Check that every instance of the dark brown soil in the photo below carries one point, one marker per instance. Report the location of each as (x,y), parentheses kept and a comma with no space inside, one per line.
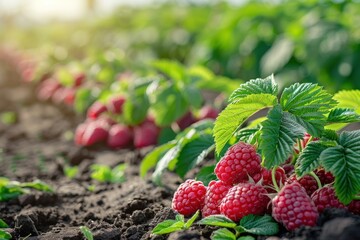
(37,147)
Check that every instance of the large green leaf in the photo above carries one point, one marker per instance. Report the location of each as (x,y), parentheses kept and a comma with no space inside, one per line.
(218,221)
(349,99)
(223,234)
(343,115)
(309,159)
(343,162)
(194,152)
(309,103)
(235,114)
(279,134)
(153,157)
(167,104)
(168,226)
(255,86)
(172,69)
(259,225)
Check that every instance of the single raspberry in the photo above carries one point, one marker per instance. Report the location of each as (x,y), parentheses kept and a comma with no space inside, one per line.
(146,134)
(308,182)
(95,132)
(216,191)
(186,120)
(354,207)
(266,176)
(289,169)
(244,199)
(326,198)
(115,104)
(120,136)
(325,177)
(79,79)
(294,208)
(238,163)
(208,111)
(96,109)
(189,197)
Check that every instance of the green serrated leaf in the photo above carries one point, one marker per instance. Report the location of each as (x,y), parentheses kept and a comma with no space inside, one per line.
(279,134)
(86,232)
(246,134)
(259,225)
(343,162)
(165,96)
(168,226)
(190,222)
(180,218)
(348,99)
(217,220)
(206,174)
(4,235)
(235,114)
(309,159)
(343,115)
(255,86)
(3,224)
(223,234)
(329,134)
(194,152)
(172,69)
(153,157)
(309,103)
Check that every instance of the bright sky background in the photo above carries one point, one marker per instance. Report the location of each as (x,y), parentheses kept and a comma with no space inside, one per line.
(58,9)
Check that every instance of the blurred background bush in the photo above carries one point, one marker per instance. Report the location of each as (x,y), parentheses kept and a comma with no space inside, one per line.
(310,41)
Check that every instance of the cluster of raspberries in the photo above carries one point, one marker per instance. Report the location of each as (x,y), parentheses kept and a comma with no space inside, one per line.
(244,188)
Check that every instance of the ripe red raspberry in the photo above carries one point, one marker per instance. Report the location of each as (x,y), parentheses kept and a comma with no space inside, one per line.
(294,208)
(325,177)
(146,134)
(238,163)
(266,177)
(186,120)
(326,198)
(354,207)
(216,191)
(308,182)
(289,169)
(120,136)
(94,132)
(96,109)
(208,111)
(115,104)
(189,197)
(244,199)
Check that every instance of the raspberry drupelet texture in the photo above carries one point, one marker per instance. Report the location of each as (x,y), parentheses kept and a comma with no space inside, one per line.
(354,207)
(216,191)
(189,197)
(266,176)
(308,182)
(326,198)
(244,199)
(238,163)
(325,177)
(294,208)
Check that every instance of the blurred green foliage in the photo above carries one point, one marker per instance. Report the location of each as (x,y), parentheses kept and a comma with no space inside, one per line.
(312,41)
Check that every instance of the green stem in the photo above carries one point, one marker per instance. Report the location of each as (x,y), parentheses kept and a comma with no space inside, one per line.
(316,178)
(273,177)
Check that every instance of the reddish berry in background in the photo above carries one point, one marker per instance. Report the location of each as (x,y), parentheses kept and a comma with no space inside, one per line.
(325,177)
(266,176)
(289,169)
(308,182)
(239,162)
(208,111)
(186,120)
(294,208)
(189,197)
(79,79)
(95,133)
(120,136)
(79,133)
(69,96)
(216,191)
(47,88)
(96,109)
(115,104)
(326,198)
(244,199)
(146,134)
(354,207)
